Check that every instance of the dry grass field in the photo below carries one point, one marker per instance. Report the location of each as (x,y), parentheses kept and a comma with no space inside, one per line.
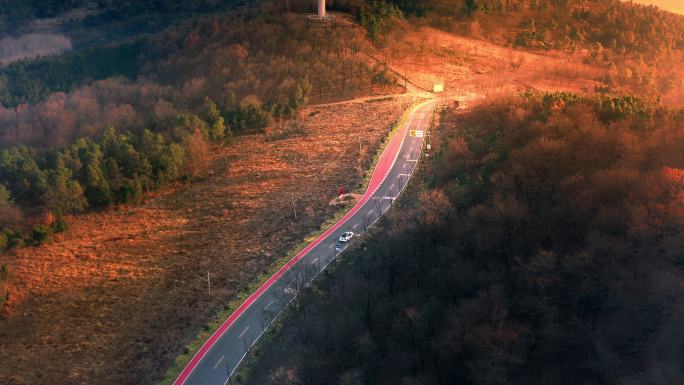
(115,298)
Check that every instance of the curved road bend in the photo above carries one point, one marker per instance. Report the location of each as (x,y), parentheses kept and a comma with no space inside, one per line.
(225,349)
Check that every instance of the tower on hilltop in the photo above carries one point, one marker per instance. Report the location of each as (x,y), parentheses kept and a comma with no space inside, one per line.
(321,9)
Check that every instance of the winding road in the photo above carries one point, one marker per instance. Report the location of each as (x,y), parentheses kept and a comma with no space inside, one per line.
(221,354)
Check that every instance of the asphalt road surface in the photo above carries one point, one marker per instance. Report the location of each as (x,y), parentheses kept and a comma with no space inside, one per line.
(218,358)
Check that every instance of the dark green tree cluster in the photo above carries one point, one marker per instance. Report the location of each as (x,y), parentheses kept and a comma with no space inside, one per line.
(31,81)
(374,16)
(117,168)
(615,108)
(23,10)
(16,10)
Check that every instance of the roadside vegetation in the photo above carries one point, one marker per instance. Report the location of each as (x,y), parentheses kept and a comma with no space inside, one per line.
(542,244)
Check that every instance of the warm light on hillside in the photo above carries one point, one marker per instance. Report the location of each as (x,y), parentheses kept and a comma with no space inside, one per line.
(676,6)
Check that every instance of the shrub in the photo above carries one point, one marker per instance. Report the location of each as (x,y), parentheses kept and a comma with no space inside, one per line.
(14,239)
(60,224)
(3,296)
(5,275)
(39,235)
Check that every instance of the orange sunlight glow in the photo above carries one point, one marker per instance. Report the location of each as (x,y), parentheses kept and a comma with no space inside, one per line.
(676,6)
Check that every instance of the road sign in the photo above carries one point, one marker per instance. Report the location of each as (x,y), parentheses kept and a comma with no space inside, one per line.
(417,133)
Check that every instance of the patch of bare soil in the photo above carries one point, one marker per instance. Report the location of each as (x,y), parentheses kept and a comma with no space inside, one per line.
(117,297)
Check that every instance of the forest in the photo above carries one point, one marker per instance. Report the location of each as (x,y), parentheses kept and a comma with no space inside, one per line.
(546,24)
(21,10)
(542,246)
(175,95)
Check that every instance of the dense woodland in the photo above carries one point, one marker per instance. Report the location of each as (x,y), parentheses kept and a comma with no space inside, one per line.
(543,246)
(197,83)
(22,10)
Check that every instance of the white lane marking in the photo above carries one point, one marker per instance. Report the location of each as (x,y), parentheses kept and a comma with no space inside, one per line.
(386,197)
(314,261)
(331,246)
(269,305)
(219,361)
(392,186)
(404,174)
(243,332)
(411,160)
(369,213)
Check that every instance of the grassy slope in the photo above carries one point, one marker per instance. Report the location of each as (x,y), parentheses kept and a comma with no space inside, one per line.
(143,269)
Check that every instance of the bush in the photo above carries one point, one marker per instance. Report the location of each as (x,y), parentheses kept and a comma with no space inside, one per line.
(14,239)
(39,235)
(5,275)
(60,224)
(3,296)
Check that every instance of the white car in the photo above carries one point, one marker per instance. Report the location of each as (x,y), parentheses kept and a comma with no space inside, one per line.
(346,236)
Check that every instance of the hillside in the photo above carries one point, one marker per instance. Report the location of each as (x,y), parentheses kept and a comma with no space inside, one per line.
(197,83)
(542,243)
(541,246)
(609,46)
(89,306)
(114,192)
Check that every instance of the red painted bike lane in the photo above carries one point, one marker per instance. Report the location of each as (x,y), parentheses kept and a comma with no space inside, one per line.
(383,167)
